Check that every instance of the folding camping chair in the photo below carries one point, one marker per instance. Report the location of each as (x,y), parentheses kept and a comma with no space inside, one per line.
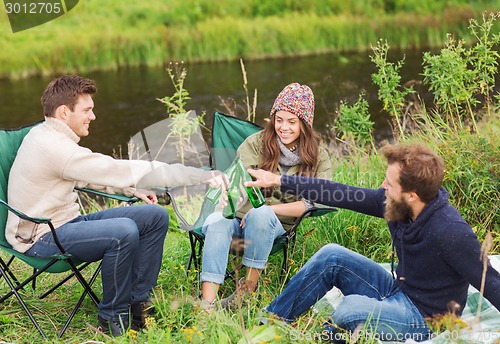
(228,133)
(10,140)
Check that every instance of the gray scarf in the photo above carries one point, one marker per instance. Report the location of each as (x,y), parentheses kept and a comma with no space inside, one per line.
(287,157)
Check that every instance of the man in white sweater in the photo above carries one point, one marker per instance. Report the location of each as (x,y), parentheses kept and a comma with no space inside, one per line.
(128,240)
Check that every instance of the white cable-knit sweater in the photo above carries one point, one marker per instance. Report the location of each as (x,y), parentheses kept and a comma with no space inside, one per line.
(50,163)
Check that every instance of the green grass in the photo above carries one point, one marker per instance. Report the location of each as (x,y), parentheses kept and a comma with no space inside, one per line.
(178,321)
(96,36)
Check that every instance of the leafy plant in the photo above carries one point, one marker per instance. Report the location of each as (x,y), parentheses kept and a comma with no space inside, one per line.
(391,93)
(353,123)
(458,76)
(175,104)
(483,57)
(451,82)
(472,177)
(183,125)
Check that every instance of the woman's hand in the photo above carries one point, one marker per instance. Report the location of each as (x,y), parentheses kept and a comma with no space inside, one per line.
(147,196)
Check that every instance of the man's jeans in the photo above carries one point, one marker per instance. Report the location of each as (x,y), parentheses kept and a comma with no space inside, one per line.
(260,229)
(371,297)
(129,240)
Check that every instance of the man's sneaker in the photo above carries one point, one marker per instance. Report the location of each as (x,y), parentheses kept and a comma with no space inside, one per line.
(116,326)
(235,298)
(140,311)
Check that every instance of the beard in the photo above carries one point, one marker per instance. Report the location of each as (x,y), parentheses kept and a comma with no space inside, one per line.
(397,210)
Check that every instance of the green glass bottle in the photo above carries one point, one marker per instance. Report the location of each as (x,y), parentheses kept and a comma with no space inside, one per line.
(213,194)
(254,194)
(233,195)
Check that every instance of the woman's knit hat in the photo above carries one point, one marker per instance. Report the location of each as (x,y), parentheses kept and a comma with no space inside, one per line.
(297,99)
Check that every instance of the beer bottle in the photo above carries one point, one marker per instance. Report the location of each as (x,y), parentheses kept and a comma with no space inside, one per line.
(233,195)
(254,194)
(213,194)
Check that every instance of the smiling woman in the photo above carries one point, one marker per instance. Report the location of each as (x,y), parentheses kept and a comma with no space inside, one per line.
(287,145)
(287,126)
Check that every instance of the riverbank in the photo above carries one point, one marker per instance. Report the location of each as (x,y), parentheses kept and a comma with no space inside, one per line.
(91,37)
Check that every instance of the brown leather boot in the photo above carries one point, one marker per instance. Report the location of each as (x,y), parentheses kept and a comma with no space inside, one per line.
(140,311)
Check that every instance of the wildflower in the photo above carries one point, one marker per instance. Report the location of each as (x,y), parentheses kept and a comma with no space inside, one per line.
(150,322)
(132,333)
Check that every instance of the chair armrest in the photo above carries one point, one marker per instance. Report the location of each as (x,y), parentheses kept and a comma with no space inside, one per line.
(117,197)
(37,220)
(320,211)
(315,211)
(312,212)
(23,216)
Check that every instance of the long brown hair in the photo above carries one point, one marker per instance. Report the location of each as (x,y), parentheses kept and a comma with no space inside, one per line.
(308,149)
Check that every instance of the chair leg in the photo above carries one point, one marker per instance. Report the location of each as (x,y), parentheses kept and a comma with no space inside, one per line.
(199,255)
(20,299)
(21,285)
(33,282)
(232,274)
(196,253)
(284,265)
(83,282)
(80,300)
(292,242)
(63,281)
(192,255)
(5,266)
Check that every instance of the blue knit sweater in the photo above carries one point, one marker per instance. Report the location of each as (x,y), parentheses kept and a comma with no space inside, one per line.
(439,254)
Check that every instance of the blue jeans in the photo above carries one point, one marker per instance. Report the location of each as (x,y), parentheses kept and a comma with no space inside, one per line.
(261,228)
(128,240)
(372,299)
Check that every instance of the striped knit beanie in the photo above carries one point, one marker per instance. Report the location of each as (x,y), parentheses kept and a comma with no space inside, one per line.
(297,99)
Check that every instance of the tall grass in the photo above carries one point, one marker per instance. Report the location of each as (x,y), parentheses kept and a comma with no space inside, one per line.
(125,33)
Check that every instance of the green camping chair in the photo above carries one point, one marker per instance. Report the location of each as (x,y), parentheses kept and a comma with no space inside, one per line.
(10,140)
(228,133)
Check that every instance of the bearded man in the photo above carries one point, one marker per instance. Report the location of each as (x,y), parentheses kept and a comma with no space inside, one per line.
(438,253)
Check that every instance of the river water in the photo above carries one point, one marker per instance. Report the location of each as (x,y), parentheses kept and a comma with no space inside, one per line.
(126,99)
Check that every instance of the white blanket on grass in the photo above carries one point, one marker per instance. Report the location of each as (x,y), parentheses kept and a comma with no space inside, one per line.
(485,331)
